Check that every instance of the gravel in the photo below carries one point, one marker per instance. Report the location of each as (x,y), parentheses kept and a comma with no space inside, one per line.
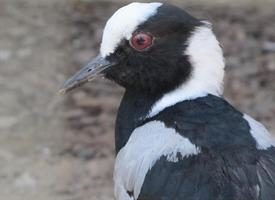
(62,148)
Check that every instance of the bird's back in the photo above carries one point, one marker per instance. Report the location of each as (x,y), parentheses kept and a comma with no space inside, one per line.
(201,149)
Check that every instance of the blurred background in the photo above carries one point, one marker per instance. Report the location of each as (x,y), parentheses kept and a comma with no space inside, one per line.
(62,147)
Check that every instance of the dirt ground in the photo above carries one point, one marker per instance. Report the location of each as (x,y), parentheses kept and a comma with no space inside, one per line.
(61,147)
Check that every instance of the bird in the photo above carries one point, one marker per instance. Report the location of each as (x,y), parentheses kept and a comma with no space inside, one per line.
(176,137)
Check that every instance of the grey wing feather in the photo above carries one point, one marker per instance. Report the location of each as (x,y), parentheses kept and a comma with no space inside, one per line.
(266,174)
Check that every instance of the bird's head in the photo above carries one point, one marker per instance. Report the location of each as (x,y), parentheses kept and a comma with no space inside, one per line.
(155,48)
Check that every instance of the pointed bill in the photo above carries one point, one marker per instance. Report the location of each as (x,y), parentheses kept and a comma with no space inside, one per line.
(86,74)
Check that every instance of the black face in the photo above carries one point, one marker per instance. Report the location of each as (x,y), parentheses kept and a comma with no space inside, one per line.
(153,61)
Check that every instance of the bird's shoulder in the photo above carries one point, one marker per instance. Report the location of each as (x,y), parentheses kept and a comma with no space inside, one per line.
(233,155)
(208,122)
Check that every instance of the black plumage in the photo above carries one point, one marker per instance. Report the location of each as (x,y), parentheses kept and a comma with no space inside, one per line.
(229,167)
(149,72)
(227,159)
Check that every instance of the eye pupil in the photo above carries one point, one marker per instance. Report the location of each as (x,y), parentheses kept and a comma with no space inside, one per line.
(141,41)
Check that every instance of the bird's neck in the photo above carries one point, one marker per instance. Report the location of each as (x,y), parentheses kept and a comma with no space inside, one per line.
(137,107)
(133,110)
(190,90)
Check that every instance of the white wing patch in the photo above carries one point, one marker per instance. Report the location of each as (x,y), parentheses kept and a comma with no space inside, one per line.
(263,138)
(123,23)
(145,146)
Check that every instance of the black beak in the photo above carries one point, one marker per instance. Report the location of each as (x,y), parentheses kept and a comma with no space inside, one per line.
(86,74)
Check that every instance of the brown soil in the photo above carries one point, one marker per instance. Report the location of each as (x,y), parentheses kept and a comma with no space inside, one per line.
(62,148)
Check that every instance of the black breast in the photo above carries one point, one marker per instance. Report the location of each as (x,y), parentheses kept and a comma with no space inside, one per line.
(132,111)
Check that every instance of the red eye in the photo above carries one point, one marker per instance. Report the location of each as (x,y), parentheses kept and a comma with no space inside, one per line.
(141,41)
